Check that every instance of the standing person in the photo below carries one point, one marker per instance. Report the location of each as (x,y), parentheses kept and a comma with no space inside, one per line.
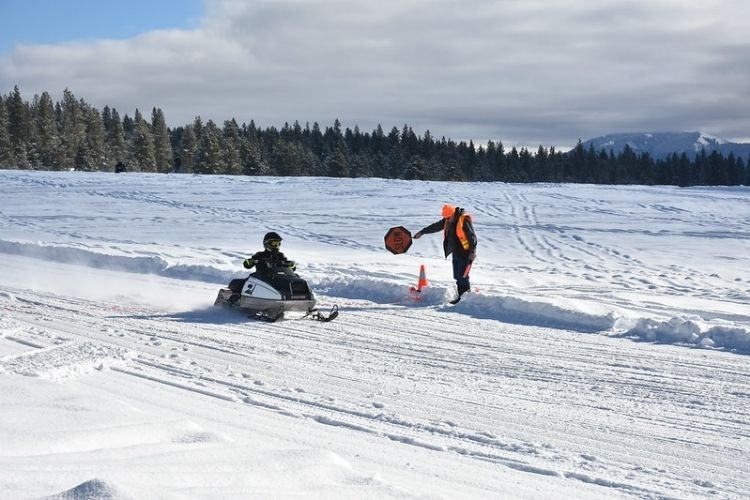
(460,240)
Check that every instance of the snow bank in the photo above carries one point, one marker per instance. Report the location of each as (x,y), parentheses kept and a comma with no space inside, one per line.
(518,311)
(684,331)
(142,264)
(380,291)
(677,330)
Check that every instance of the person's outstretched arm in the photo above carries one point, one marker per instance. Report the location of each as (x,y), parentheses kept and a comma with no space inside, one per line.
(432,228)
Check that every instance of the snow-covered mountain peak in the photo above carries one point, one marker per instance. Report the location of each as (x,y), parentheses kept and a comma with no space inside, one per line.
(659,145)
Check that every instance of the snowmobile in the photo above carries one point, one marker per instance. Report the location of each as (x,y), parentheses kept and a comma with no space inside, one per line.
(269,297)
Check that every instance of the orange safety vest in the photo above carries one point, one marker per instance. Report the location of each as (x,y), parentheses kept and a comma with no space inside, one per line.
(465,243)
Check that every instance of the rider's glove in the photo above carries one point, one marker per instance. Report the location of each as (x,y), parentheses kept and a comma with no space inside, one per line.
(248,263)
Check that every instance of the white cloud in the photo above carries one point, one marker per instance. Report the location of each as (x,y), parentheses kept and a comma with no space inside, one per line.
(527,73)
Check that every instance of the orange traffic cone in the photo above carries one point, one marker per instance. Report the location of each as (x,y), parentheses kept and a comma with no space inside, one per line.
(422,281)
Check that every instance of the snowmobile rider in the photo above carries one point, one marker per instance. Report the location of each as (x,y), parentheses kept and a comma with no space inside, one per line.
(267,261)
(459,239)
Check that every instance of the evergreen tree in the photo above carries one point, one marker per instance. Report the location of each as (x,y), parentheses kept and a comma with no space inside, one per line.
(297,132)
(604,171)
(116,145)
(514,166)
(231,148)
(702,169)
(409,142)
(393,161)
(577,157)
(128,127)
(107,119)
(187,150)
(427,147)
(73,130)
(360,165)
(498,167)
(453,172)
(482,171)
(313,165)
(540,171)
(162,147)
(717,170)
(524,162)
(378,142)
(31,140)
(628,165)
(253,159)
(6,150)
(416,170)
(591,172)
(288,158)
(198,128)
(555,160)
(337,164)
(644,169)
(142,147)
(61,149)
(684,171)
(19,128)
(735,170)
(46,132)
(208,155)
(471,160)
(91,154)
(71,133)
(316,141)
(355,140)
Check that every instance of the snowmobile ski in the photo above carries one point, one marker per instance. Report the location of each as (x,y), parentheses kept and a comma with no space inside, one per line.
(318,316)
(313,314)
(268,316)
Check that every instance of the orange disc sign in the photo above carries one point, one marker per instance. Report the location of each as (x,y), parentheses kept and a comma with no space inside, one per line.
(398,239)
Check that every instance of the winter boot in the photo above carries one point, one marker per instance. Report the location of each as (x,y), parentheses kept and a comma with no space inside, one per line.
(462,289)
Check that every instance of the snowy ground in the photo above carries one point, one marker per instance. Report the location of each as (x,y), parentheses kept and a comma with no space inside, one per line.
(604,352)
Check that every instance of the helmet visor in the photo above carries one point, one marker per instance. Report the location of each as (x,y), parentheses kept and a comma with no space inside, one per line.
(273,244)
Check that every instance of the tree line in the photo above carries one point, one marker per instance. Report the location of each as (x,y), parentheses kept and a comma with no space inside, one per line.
(71,134)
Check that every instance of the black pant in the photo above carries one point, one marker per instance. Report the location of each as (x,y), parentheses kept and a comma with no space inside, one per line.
(460,263)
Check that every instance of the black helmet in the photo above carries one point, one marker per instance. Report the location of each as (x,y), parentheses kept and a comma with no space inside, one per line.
(272,241)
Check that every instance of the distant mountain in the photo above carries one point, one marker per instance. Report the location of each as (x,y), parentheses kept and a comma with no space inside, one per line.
(662,144)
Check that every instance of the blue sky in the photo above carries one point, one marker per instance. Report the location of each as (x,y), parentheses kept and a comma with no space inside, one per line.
(55,21)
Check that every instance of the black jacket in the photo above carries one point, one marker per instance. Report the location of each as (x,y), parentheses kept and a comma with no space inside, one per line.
(267,261)
(450,242)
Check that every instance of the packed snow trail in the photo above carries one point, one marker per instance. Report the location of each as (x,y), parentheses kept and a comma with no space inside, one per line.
(640,420)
